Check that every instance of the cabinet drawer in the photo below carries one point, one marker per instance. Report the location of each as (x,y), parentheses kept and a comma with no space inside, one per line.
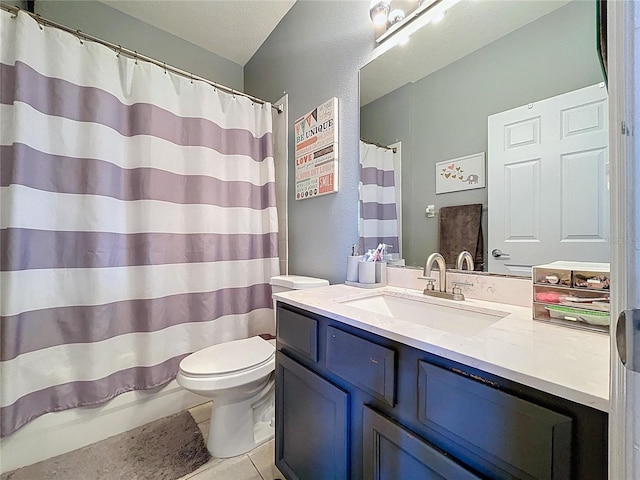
(297,333)
(522,439)
(366,365)
(391,452)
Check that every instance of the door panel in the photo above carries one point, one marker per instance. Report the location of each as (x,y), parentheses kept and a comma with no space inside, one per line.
(583,216)
(521,134)
(584,119)
(522,202)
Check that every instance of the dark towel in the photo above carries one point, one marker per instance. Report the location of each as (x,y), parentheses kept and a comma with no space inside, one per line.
(461,229)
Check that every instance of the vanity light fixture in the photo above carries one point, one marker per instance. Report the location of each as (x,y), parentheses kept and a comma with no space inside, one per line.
(379,11)
(428,11)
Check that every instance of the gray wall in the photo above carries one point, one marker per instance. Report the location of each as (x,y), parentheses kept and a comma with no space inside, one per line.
(315,54)
(109,24)
(17,3)
(444,115)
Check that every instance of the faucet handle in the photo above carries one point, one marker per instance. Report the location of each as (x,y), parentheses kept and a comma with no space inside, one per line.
(456,286)
(431,283)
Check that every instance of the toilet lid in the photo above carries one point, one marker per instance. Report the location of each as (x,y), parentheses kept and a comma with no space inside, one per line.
(228,357)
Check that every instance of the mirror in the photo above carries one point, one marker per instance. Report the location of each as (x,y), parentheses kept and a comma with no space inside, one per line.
(433,97)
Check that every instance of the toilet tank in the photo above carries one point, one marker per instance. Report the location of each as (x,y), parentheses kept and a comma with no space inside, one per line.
(285,283)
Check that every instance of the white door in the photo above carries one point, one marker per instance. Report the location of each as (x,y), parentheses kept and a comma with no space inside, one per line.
(547,177)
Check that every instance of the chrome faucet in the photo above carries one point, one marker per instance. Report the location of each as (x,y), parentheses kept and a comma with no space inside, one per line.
(442,267)
(464,256)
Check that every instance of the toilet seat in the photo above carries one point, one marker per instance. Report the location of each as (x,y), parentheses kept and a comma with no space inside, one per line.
(228,357)
(227,365)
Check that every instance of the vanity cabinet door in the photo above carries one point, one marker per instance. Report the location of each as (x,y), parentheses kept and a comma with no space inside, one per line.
(515,438)
(311,424)
(364,364)
(391,452)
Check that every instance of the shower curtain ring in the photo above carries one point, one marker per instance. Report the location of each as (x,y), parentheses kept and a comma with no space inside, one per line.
(191,78)
(38,18)
(165,67)
(119,51)
(135,55)
(79,33)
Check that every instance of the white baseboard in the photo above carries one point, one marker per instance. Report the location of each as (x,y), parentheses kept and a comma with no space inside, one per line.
(60,432)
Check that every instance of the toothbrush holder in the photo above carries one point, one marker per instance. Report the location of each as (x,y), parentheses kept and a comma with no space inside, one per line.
(367,272)
(352,267)
(381,272)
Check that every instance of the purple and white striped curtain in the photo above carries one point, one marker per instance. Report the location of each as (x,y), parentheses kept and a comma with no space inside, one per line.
(138,221)
(378,206)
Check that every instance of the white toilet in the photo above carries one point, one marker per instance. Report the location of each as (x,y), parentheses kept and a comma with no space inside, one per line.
(239,377)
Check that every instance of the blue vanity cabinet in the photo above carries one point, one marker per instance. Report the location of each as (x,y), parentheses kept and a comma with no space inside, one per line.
(351,404)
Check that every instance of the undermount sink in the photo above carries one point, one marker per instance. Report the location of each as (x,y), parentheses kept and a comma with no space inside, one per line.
(458,319)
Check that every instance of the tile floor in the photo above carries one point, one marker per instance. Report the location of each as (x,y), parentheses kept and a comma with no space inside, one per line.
(255,465)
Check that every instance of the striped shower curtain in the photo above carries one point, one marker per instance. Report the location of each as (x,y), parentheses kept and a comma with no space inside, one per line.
(378,205)
(138,221)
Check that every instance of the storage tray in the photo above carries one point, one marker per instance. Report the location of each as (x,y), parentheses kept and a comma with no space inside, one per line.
(578,315)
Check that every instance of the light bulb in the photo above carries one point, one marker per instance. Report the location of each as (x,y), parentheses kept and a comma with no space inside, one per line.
(379,18)
(396,16)
(379,11)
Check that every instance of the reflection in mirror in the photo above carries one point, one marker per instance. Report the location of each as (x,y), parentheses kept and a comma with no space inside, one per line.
(380,191)
(435,96)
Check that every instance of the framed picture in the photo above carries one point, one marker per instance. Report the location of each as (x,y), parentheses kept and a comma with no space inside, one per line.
(316,156)
(464,173)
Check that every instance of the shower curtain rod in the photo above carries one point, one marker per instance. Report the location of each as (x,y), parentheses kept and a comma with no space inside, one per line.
(133,54)
(379,145)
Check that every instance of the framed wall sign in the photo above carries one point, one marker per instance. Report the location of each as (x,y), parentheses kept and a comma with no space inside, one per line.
(464,173)
(316,155)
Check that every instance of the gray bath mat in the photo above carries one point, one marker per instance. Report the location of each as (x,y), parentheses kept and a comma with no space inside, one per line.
(166,449)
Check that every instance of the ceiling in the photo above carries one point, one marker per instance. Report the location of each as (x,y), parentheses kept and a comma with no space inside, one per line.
(232,29)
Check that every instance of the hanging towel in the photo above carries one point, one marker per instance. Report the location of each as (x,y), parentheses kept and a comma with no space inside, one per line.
(461,229)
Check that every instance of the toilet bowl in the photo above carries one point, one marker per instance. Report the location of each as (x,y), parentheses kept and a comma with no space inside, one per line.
(239,377)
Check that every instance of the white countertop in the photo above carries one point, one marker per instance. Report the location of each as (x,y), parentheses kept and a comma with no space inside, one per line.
(567,362)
